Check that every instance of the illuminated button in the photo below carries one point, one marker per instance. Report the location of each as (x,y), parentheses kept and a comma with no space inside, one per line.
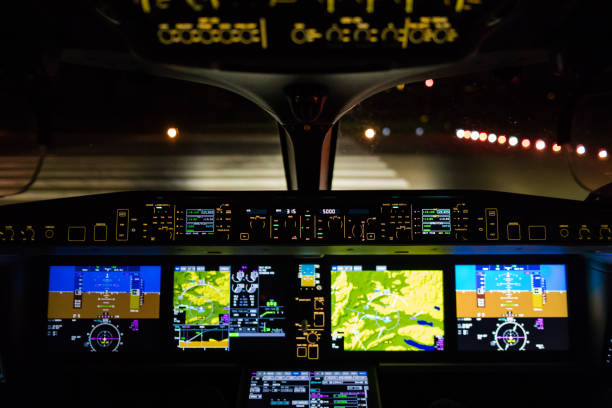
(49,233)
(491,227)
(76,233)
(319,319)
(244,236)
(301,351)
(313,351)
(537,233)
(605,233)
(100,232)
(122,225)
(564,231)
(371,236)
(584,233)
(514,231)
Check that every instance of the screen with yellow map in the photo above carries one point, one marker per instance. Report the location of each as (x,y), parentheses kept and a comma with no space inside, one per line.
(384,308)
(227,307)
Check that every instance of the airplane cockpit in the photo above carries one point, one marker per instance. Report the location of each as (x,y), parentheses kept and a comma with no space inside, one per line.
(469,277)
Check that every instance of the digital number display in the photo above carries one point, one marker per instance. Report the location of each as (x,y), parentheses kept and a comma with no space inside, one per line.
(200,221)
(511,307)
(436,221)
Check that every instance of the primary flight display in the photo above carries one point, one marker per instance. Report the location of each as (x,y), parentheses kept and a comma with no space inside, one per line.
(511,307)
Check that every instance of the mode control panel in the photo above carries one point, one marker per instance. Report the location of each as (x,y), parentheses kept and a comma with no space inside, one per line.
(360,218)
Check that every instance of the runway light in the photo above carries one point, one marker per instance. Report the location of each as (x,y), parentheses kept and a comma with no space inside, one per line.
(482,136)
(540,144)
(172,132)
(419,131)
(370,133)
(386,131)
(474,135)
(460,133)
(556,148)
(580,150)
(501,139)
(492,138)
(513,141)
(526,143)
(429,83)
(602,154)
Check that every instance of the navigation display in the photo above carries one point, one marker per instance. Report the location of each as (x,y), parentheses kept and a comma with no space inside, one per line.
(308,389)
(102,308)
(386,308)
(216,307)
(511,307)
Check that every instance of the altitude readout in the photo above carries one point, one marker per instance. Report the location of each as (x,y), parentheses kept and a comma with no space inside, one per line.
(436,221)
(200,221)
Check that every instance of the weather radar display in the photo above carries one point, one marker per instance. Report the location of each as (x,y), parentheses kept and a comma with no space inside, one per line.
(386,309)
(511,307)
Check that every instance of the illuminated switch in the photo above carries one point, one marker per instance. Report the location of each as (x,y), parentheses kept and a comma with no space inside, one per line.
(244,236)
(122,225)
(318,303)
(319,319)
(564,231)
(514,231)
(491,226)
(76,234)
(100,232)
(537,232)
(301,351)
(313,351)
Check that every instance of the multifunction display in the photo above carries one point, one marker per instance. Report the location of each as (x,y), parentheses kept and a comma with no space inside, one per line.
(386,308)
(315,389)
(511,307)
(218,306)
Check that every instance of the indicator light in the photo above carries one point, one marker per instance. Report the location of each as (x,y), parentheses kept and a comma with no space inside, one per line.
(370,133)
(429,83)
(172,132)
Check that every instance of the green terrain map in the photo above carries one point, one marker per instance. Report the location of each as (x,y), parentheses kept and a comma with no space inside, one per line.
(387,310)
(202,295)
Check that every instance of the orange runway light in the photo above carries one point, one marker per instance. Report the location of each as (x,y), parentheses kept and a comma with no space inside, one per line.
(501,139)
(556,148)
(483,136)
(370,133)
(526,143)
(429,83)
(172,132)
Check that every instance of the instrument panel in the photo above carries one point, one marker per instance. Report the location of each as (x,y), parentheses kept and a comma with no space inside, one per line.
(378,308)
(198,32)
(348,218)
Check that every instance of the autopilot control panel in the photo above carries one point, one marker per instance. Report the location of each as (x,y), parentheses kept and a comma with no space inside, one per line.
(338,218)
